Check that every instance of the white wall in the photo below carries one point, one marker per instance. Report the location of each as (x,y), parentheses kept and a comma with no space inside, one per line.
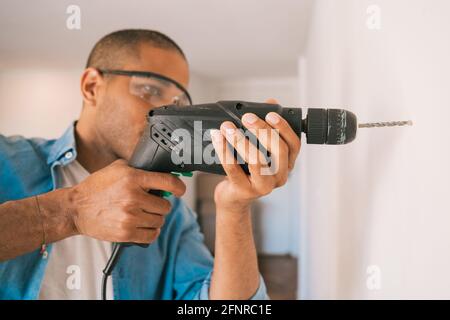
(382,200)
(38,103)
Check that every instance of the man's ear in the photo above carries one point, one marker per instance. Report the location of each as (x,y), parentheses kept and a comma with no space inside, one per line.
(91,80)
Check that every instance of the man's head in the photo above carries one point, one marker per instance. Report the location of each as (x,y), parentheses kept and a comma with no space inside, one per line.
(115,105)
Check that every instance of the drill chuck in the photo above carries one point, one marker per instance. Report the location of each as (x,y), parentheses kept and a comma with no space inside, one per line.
(329,126)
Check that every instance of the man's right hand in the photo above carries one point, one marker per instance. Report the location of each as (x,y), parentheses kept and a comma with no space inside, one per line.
(113,204)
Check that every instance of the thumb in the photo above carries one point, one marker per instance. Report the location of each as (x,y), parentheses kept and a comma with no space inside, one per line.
(272,101)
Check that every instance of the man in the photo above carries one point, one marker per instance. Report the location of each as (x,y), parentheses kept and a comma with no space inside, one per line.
(64,201)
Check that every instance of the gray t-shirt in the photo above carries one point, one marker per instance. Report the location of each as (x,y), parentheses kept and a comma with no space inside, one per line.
(75,265)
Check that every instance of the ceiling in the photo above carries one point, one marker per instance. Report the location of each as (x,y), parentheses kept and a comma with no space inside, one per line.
(222,39)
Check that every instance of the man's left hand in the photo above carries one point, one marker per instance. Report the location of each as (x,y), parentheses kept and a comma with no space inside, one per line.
(236,193)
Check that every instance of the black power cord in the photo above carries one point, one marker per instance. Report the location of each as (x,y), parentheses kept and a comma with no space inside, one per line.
(117,250)
(112,261)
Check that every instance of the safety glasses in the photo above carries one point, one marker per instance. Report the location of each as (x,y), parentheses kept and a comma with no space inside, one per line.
(155,89)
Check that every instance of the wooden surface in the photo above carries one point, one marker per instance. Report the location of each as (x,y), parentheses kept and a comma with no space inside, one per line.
(280,275)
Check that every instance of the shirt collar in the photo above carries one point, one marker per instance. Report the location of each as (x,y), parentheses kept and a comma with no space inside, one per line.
(64,149)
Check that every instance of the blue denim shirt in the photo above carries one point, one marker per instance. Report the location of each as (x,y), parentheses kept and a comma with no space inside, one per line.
(177,265)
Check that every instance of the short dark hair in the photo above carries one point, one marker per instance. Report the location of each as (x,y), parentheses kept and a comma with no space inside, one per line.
(110,50)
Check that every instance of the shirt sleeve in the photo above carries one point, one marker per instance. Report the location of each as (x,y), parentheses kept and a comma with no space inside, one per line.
(194,262)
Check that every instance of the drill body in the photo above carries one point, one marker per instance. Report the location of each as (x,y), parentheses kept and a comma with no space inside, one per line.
(176,137)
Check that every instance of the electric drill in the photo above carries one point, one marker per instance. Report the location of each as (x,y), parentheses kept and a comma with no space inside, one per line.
(156,150)
(159,147)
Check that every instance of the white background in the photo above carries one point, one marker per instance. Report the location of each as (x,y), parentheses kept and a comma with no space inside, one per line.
(384,199)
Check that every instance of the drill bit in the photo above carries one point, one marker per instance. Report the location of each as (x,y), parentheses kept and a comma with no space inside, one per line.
(385,124)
